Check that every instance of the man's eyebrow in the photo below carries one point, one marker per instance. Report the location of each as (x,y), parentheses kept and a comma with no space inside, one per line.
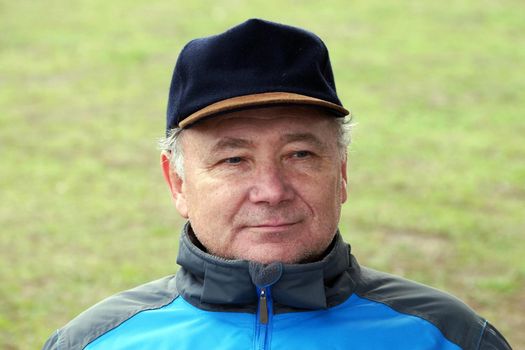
(231,143)
(304,137)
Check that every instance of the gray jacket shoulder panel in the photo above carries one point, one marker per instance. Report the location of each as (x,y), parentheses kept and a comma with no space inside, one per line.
(112,312)
(456,321)
(493,340)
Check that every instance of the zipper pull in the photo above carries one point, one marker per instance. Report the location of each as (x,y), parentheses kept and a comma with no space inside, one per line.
(263,307)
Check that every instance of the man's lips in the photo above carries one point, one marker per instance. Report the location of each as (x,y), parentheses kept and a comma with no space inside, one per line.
(271,226)
(274,224)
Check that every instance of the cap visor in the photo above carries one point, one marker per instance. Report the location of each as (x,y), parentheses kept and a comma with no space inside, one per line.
(267,98)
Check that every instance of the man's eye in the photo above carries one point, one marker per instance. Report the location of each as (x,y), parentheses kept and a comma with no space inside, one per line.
(302,154)
(233,160)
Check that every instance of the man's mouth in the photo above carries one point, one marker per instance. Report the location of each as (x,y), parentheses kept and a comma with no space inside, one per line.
(272,226)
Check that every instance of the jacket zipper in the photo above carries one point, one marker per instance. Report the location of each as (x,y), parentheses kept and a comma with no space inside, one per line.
(264,318)
(263,307)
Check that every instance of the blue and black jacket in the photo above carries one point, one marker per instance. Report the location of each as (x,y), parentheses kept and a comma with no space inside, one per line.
(214,303)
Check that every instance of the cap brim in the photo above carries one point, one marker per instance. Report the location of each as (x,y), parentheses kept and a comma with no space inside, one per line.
(267,98)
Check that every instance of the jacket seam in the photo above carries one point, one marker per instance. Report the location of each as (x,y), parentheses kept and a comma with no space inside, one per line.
(481,335)
(60,339)
(129,317)
(420,316)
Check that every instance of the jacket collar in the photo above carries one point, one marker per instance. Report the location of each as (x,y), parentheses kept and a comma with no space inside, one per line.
(214,283)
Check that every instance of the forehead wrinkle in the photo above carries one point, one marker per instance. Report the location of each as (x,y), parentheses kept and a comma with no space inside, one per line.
(231,143)
(303,137)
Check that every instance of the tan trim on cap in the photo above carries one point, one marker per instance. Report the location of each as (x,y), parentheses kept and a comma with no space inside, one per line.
(267,98)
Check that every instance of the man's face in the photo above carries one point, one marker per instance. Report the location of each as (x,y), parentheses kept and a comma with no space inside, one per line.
(263,184)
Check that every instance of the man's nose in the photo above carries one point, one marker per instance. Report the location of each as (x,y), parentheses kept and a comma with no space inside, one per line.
(271,186)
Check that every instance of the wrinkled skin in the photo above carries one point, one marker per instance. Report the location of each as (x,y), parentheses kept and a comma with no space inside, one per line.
(262,184)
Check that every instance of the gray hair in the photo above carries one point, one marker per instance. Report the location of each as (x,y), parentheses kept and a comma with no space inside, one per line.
(173,145)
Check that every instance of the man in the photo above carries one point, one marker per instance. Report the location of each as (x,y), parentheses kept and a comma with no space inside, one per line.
(255,159)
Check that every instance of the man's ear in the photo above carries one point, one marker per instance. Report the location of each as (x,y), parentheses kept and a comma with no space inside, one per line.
(175,183)
(344,194)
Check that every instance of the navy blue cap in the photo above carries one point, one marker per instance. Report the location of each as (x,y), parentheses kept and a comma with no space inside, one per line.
(253,64)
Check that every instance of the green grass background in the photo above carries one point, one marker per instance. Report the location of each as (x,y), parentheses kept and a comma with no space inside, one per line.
(437,167)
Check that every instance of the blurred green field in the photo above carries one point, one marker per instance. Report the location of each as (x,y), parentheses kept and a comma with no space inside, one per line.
(437,167)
